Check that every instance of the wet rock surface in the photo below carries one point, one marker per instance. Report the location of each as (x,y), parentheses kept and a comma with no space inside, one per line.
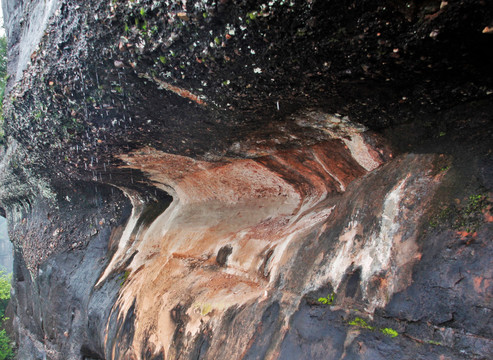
(250,180)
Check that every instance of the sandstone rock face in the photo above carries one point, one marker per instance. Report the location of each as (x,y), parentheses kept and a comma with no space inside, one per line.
(249,180)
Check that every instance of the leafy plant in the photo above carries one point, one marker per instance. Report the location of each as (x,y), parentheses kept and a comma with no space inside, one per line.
(5,285)
(327,300)
(389,332)
(124,277)
(359,322)
(6,351)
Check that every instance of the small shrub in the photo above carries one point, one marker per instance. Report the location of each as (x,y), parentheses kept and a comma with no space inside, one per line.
(328,300)
(6,351)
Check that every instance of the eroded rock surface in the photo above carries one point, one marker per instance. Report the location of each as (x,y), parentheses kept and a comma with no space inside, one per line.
(249,180)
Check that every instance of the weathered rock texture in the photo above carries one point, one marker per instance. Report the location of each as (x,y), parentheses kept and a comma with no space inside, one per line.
(189,180)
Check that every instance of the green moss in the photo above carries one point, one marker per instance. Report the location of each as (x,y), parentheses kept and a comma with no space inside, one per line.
(124,277)
(470,217)
(207,308)
(438,218)
(389,332)
(467,217)
(359,322)
(252,15)
(475,203)
(328,300)
(432,342)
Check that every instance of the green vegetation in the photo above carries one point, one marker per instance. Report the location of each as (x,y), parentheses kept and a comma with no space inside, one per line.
(442,216)
(124,278)
(467,216)
(471,216)
(252,15)
(359,322)
(475,203)
(206,308)
(389,332)
(4,291)
(432,342)
(6,351)
(328,300)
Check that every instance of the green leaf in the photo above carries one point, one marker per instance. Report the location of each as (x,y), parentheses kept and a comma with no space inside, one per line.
(5,285)
(389,332)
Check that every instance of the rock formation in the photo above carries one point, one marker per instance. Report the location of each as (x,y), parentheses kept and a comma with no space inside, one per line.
(250,180)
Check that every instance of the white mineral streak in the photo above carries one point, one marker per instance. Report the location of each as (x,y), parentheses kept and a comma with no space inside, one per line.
(327,170)
(124,243)
(373,254)
(361,152)
(376,255)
